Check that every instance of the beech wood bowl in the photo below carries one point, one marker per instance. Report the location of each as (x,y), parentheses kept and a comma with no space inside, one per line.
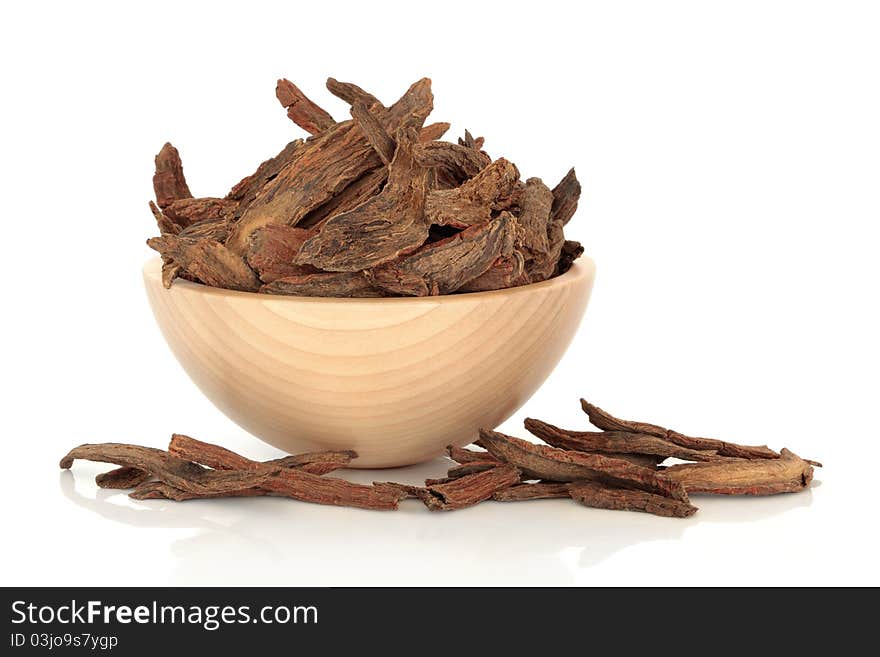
(395,379)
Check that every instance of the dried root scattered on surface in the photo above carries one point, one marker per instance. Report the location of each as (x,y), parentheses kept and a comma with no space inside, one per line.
(371,206)
(620,468)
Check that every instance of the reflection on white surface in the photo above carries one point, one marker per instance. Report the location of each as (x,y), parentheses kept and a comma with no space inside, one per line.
(276,541)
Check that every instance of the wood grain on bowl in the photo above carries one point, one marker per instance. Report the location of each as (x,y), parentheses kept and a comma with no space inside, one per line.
(395,379)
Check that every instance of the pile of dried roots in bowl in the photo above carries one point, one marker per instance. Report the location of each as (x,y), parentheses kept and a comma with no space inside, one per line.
(619,467)
(376,205)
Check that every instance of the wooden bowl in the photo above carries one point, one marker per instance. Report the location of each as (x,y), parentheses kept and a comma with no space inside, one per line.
(394,379)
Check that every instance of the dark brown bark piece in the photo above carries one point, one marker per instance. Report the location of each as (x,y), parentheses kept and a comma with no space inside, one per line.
(220,458)
(350,93)
(470,489)
(246,189)
(122,478)
(188,211)
(208,261)
(460,163)
(565,198)
(540,237)
(368,121)
(169,183)
(324,284)
(433,132)
(550,463)
(571,251)
(463,470)
(177,472)
(403,491)
(504,273)
(616,442)
(301,110)
(325,166)
(607,422)
(307,487)
(273,249)
(470,142)
(600,496)
(474,201)
(787,474)
(542,490)
(464,455)
(443,267)
(382,228)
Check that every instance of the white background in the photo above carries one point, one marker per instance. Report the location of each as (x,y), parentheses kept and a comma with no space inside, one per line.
(730,156)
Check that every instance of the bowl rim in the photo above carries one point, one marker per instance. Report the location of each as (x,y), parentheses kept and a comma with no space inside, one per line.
(584,267)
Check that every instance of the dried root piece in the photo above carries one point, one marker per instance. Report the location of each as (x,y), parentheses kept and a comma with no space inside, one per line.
(324,284)
(122,478)
(473,202)
(326,165)
(504,273)
(622,499)
(166,226)
(570,252)
(302,111)
(177,472)
(456,162)
(464,455)
(463,470)
(542,490)
(169,184)
(469,141)
(211,229)
(358,192)
(433,131)
(468,490)
(384,227)
(273,249)
(188,211)
(351,93)
(306,487)
(445,266)
(220,458)
(157,490)
(608,422)
(368,121)
(246,189)
(208,261)
(787,474)
(550,463)
(616,442)
(540,237)
(565,198)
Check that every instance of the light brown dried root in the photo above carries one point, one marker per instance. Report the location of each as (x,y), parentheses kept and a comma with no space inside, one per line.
(468,490)
(169,183)
(122,478)
(220,458)
(208,261)
(302,111)
(368,121)
(473,202)
(433,131)
(600,496)
(384,227)
(273,249)
(464,455)
(322,168)
(616,442)
(542,490)
(351,93)
(787,474)
(188,211)
(504,273)
(443,267)
(550,463)
(607,422)
(182,474)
